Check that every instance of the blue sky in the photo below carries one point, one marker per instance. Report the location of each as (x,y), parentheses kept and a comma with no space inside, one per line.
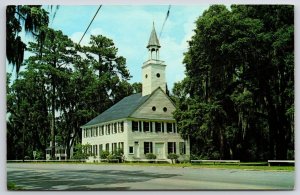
(130,27)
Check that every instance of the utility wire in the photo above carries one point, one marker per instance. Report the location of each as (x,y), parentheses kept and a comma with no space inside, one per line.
(90,23)
(168,13)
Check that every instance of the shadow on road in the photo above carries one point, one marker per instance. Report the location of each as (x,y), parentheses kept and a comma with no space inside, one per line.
(79,180)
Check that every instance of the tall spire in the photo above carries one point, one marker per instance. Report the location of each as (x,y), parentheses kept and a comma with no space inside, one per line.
(153,40)
(153,70)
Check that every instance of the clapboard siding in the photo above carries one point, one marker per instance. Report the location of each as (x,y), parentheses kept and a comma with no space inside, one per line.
(160,100)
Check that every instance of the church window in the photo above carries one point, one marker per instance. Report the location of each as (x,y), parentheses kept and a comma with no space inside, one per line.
(153,108)
(140,126)
(130,149)
(100,148)
(148,147)
(165,109)
(169,127)
(146,126)
(107,129)
(115,127)
(121,146)
(135,126)
(146,76)
(158,127)
(95,151)
(107,147)
(121,127)
(114,147)
(89,132)
(101,130)
(157,75)
(171,147)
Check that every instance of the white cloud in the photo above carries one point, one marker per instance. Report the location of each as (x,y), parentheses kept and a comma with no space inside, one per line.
(130,27)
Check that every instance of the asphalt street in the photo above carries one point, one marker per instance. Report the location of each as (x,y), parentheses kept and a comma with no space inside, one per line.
(126,177)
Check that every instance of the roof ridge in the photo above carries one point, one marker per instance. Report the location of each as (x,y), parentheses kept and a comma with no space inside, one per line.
(121,109)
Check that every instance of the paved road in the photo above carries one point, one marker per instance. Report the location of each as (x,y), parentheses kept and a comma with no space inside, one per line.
(127,177)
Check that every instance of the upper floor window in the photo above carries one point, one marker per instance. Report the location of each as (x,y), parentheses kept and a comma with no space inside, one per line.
(101,130)
(169,127)
(158,127)
(108,129)
(146,126)
(115,128)
(135,126)
(121,127)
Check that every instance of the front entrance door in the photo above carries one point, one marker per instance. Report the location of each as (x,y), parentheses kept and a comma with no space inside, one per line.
(159,150)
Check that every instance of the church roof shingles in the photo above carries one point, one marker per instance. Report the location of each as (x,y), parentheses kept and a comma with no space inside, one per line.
(122,109)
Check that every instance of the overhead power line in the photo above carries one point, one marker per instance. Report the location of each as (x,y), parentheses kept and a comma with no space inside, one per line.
(90,23)
(168,13)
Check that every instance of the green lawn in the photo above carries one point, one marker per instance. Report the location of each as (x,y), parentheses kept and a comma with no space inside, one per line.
(262,166)
(242,166)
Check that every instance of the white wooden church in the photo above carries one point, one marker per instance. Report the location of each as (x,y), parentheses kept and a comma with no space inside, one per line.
(140,123)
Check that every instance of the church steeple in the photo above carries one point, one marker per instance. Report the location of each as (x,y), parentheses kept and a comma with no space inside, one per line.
(153,45)
(153,70)
(153,40)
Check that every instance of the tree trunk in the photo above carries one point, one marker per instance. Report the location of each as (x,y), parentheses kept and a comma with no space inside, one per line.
(53,121)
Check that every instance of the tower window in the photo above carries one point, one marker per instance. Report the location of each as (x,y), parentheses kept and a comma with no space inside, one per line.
(158,75)
(165,109)
(146,76)
(153,108)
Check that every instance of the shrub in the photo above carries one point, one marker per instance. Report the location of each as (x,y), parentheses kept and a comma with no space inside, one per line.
(173,157)
(80,152)
(150,156)
(104,154)
(184,158)
(110,157)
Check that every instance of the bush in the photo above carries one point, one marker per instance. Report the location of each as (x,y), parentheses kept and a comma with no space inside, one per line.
(80,152)
(104,154)
(150,156)
(173,157)
(110,157)
(184,158)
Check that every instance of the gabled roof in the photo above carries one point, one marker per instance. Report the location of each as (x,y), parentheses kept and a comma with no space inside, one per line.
(122,109)
(153,40)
